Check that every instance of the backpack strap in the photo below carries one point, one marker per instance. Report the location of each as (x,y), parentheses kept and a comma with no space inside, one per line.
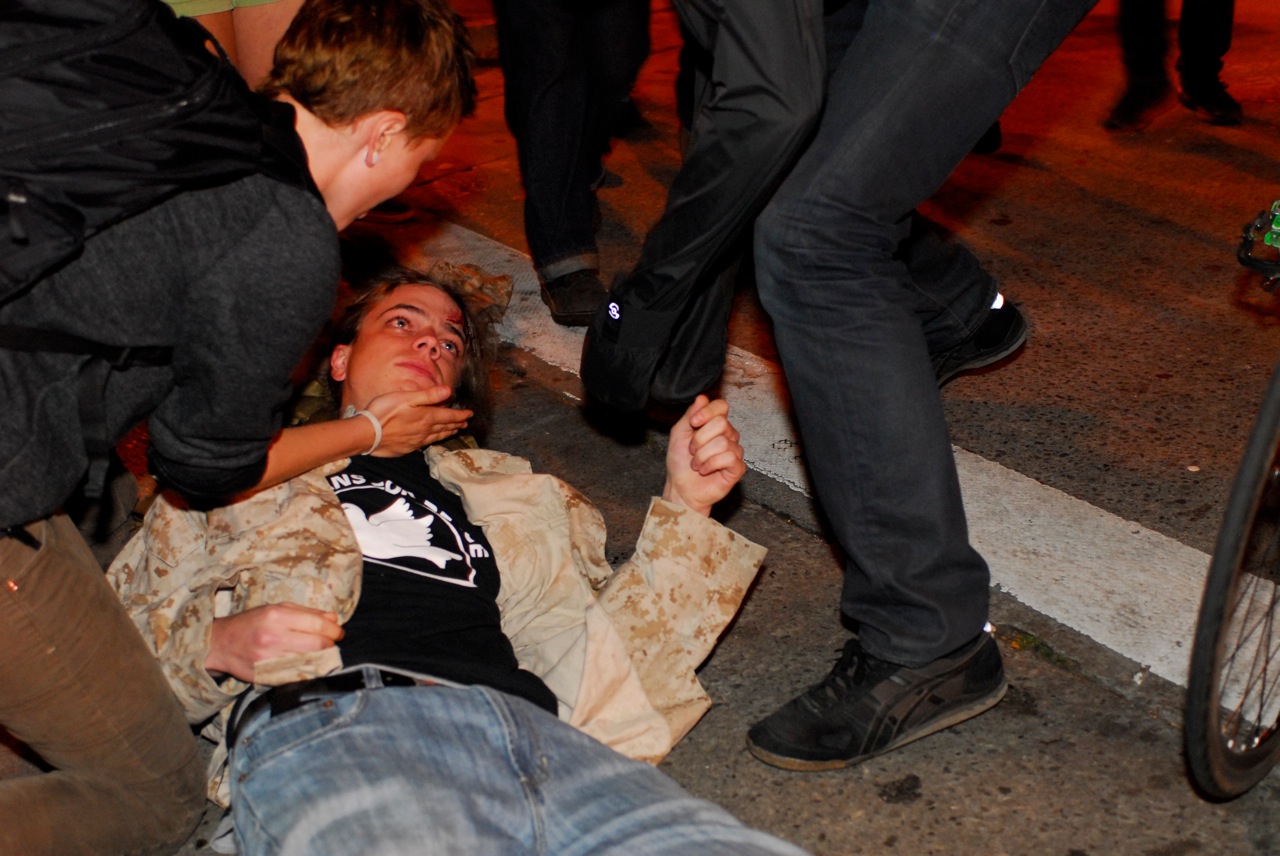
(92,385)
(31,339)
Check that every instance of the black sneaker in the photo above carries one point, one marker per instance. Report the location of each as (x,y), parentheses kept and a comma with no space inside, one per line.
(1137,107)
(1002,333)
(574,297)
(868,706)
(1209,100)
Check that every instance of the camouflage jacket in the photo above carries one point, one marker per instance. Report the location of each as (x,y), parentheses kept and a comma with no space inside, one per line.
(617,647)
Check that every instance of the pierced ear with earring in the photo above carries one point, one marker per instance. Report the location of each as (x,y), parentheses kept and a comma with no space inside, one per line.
(371,157)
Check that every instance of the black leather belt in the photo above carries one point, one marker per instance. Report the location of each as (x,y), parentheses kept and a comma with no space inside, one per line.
(286,697)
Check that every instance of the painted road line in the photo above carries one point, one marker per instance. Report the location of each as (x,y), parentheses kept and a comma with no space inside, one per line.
(1123,585)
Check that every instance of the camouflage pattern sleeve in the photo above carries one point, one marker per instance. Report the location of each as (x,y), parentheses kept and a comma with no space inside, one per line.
(291,543)
(288,544)
(673,599)
(170,589)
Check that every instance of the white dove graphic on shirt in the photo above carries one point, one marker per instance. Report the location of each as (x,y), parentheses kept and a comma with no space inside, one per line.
(394,533)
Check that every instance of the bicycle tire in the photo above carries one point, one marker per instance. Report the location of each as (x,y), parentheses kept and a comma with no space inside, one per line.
(1236,654)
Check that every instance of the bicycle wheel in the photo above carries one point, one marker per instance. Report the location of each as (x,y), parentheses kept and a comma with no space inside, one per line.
(1233,692)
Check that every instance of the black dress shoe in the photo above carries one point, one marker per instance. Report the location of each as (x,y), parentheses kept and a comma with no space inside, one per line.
(574,297)
(1136,107)
(1209,100)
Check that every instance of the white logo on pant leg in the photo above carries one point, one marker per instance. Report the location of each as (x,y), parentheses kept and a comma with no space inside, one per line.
(615,311)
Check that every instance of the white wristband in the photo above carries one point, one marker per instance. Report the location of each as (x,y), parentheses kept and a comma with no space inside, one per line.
(377,430)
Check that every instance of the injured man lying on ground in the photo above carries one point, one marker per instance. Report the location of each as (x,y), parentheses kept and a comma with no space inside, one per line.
(408,649)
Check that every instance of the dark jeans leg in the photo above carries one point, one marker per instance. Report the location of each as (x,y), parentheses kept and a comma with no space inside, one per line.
(753,107)
(79,685)
(1144,42)
(617,35)
(1204,37)
(917,87)
(953,292)
(565,65)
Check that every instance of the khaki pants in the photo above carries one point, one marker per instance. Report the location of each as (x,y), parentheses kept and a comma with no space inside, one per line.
(81,688)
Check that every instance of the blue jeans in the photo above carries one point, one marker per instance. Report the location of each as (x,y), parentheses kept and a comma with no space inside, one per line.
(423,770)
(918,85)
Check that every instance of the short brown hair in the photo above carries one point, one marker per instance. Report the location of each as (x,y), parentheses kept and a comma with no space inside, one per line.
(343,59)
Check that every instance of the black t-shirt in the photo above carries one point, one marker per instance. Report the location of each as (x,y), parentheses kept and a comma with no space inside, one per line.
(428,601)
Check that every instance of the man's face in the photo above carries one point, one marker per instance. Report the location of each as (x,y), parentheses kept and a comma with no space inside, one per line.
(411,339)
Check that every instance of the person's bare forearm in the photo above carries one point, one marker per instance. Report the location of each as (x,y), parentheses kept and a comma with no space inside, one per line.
(390,425)
(295,451)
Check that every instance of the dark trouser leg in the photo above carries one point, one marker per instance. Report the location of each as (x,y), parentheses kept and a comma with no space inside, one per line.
(754,108)
(844,307)
(617,37)
(79,685)
(564,65)
(1144,42)
(746,128)
(546,105)
(1204,37)
(953,292)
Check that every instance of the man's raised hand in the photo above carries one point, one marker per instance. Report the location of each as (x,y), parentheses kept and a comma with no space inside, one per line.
(704,458)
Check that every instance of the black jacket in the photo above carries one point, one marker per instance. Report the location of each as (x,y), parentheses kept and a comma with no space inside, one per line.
(758,95)
(236,279)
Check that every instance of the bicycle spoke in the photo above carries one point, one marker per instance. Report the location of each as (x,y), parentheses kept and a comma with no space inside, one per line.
(1248,683)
